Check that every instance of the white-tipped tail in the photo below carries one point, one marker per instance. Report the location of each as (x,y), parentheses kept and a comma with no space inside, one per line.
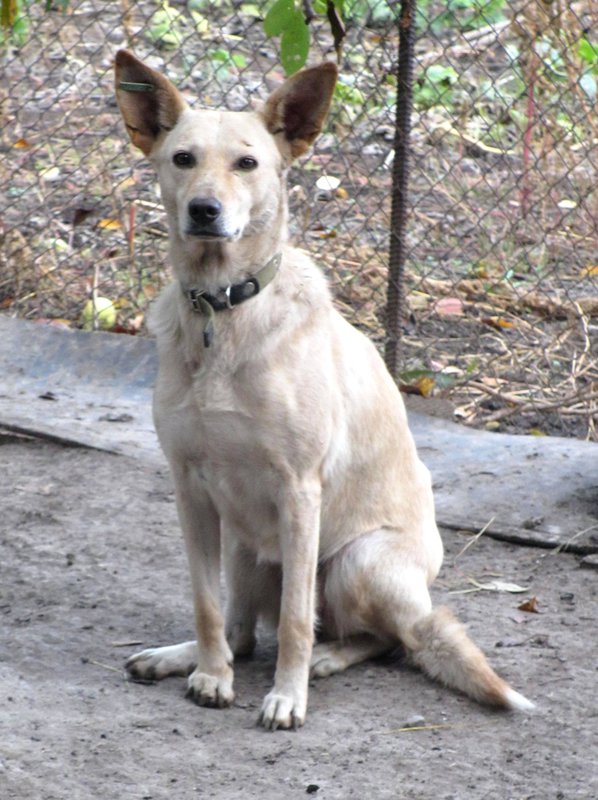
(518,702)
(441,647)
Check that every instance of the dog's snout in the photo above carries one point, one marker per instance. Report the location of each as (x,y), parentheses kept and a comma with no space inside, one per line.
(204,210)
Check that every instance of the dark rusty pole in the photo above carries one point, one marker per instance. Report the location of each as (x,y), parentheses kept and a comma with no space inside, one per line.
(395,297)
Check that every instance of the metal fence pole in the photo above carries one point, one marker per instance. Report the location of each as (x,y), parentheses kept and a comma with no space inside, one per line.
(400,176)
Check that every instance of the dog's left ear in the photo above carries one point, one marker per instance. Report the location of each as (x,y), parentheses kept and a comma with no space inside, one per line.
(148,101)
(297,110)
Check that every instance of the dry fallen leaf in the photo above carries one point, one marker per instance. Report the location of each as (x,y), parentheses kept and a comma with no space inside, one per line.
(497,322)
(57,322)
(419,301)
(110,224)
(530,605)
(500,586)
(126,183)
(425,385)
(326,234)
(449,306)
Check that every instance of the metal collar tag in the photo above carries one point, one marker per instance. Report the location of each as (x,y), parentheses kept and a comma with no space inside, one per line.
(131,86)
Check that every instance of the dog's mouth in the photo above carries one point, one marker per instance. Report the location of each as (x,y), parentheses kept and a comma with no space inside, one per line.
(210,234)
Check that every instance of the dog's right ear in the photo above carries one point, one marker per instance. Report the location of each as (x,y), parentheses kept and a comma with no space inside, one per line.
(148,101)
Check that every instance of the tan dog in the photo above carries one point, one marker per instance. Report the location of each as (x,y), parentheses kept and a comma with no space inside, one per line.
(287,438)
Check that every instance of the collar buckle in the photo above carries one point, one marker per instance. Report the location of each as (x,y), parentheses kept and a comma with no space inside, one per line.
(230,296)
(194,295)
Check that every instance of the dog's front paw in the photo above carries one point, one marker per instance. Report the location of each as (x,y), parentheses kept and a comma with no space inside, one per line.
(156,663)
(282,711)
(215,691)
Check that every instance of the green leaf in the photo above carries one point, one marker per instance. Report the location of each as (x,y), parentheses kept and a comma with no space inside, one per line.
(280,17)
(350,95)
(588,52)
(294,45)
(437,73)
(166,27)
(219,55)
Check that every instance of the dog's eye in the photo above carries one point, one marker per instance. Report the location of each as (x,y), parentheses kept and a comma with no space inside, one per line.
(247,163)
(183,159)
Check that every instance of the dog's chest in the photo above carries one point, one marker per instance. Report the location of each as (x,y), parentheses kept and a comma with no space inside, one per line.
(233,440)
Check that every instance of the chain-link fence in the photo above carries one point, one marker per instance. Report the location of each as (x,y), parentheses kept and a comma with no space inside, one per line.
(501,276)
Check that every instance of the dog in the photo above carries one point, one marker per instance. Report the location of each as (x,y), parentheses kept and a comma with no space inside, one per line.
(286,437)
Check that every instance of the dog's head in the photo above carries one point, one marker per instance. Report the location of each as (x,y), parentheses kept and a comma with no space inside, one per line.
(220,172)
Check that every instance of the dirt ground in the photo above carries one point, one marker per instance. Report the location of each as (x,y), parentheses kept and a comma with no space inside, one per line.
(92,568)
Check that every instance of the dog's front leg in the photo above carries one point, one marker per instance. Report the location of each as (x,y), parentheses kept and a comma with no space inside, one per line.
(285,706)
(211,682)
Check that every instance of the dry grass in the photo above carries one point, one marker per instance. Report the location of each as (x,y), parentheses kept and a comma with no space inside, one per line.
(502,272)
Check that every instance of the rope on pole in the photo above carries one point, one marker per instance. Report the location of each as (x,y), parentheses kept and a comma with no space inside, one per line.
(395,297)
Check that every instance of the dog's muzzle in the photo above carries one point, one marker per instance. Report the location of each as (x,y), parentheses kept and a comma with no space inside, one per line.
(205,218)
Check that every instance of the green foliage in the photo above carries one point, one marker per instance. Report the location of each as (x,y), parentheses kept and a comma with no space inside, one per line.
(279,17)
(15,23)
(294,45)
(458,14)
(435,87)
(372,12)
(588,53)
(320,6)
(168,28)
(346,94)
(286,20)
(14,19)
(225,61)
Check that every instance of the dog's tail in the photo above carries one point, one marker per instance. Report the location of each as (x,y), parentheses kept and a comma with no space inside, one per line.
(440,646)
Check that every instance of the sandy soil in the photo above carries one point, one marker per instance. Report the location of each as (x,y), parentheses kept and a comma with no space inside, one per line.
(92,567)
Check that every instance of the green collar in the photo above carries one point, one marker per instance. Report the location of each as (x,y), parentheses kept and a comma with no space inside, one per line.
(132,86)
(229,296)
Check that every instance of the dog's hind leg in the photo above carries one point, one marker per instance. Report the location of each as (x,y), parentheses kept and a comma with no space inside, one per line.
(372,587)
(156,663)
(253,592)
(329,658)
(377,585)
(371,599)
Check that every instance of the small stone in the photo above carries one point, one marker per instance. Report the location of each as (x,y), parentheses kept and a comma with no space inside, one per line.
(312,788)
(416,721)
(590,562)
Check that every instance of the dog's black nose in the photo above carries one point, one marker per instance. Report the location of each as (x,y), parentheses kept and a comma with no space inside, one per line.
(204,210)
